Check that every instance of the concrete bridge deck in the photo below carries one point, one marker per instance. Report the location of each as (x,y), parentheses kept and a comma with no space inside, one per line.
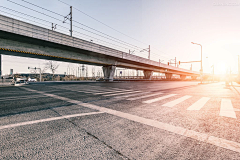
(24,39)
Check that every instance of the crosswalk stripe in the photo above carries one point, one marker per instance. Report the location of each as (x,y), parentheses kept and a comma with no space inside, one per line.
(203,137)
(121,93)
(159,98)
(176,101)
(130,95)
(199,104)
(97,90)
(226,109)
(140,97)
(120,89)
(109,92)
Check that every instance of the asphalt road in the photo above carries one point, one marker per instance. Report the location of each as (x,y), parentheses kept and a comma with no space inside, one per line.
(120,120)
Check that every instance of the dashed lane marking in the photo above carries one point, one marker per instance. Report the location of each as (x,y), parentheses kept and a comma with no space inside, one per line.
(130,95)
(110,92)
(97,91)
(219,142)
(146,96)
(159,98)
(176,101)
(121,93)
(226,109)
(199,104)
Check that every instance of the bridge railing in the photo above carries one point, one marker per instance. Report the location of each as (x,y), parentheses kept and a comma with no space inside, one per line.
(26,29)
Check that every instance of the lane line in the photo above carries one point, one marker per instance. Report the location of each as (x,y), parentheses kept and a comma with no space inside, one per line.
(226,109)
(110,92)
(131,95)
(176,101)
(146,96)
(94,91)
(199,104)
(121,93)
(159,98)
(203,137)
(47,120)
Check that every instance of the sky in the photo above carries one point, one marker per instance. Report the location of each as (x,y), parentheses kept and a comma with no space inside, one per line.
(168,27)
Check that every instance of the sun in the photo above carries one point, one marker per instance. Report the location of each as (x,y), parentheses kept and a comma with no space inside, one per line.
(220,68)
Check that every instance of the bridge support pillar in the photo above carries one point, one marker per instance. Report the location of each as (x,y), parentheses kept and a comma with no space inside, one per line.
(148,74)
(168,75)
(183,77)
(108,72)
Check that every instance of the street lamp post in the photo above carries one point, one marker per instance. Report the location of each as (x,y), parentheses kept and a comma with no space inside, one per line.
(201,71)
(39,73)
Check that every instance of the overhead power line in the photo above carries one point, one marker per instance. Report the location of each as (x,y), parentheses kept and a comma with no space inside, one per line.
(108,25)
(101,22)
(129,45)
(51,22)
(61,21)
(77,22)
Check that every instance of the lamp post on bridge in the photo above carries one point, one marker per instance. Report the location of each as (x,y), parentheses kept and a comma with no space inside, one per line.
(201,71)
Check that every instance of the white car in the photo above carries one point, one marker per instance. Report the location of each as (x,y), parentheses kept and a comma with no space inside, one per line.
(32,80)
(20,83)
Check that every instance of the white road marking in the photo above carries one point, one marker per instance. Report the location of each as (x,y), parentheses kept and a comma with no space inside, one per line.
(226,109)
(109,92)
(120,93)
(120,89)
(47,120)
(159,98)
(150,95)
(130,95)
(96,91)
(176,101)
(199,104)
(219,142)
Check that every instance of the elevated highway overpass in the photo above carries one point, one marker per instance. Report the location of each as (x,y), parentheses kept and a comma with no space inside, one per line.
(27,40)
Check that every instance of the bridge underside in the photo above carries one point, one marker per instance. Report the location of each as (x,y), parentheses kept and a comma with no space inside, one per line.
(18,45)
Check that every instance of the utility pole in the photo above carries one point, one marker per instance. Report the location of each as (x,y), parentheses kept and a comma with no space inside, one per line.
(238,66)
(149,52)
(93,72)
(213,69)
(83,69)
(147,49)
(175,61)
(40,72)
(70,19)
(54,26)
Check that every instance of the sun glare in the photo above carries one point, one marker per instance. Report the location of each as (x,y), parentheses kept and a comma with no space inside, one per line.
(220,68)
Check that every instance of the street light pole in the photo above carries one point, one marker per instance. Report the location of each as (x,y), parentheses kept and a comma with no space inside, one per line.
(201,71)
(39,70)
